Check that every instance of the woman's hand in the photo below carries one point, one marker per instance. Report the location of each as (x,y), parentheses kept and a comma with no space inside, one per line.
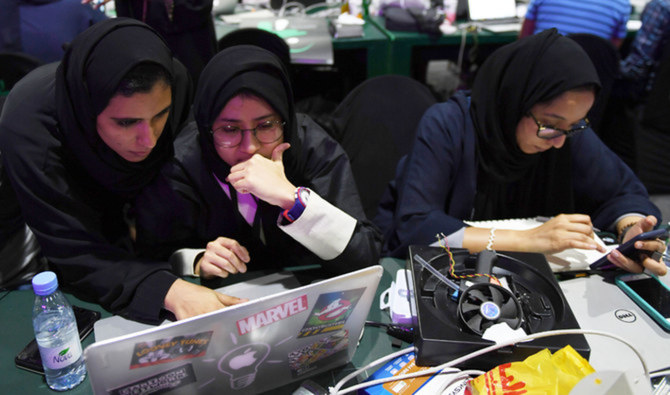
(560,233)
(264,178)
(222,256)
(185,299)
(644,261)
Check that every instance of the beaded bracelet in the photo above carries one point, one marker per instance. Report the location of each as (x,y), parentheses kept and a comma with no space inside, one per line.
(492,239)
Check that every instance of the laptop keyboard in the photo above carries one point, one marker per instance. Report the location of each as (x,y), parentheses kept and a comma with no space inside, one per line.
(505,27)
(501,21)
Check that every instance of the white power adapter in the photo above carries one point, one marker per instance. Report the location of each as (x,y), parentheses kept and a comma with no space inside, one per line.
(397,298)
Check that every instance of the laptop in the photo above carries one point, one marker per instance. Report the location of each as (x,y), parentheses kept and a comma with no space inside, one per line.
(600,305)
(252,347)
(494,15)
(251,289)
(223,7)
(308,38)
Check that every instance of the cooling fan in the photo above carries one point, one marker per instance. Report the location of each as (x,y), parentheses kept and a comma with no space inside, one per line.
(450,316)
(484,304)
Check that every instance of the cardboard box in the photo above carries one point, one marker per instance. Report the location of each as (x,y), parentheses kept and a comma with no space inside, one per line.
(404,364)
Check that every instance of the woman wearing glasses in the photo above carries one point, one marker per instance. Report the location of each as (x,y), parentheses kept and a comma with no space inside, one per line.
(518,145)
(254,185)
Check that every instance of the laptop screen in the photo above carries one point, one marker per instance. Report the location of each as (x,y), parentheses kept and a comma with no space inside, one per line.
(480,10)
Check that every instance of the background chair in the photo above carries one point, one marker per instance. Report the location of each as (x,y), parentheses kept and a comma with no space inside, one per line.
(311,97)
(605,58)
(261,38)
(375,124)
(20,257)
(638,129)
(13,67)
(652,138)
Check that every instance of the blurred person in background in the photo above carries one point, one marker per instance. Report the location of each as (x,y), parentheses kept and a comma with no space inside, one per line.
(186,25)
(48,25)
(639,67)
(603,18)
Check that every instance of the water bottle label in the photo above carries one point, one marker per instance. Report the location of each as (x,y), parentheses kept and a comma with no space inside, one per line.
(60,357)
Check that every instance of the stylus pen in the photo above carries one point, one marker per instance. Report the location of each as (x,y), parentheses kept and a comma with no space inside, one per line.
(570,274)
(543,219)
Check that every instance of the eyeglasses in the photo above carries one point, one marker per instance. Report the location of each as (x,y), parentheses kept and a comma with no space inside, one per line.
(549,132)
(266,132)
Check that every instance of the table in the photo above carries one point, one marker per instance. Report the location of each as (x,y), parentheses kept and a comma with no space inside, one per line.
(355,59)
(410,51)
(16,310)
(392,52)
(17,331)
(374,47)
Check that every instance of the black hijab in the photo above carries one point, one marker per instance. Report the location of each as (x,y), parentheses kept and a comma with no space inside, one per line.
(511,81)
(88,77)
(237,68)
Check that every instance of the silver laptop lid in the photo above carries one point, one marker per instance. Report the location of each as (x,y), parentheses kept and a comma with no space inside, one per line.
(252,347)
(308,38)
(600,305)
(256,288)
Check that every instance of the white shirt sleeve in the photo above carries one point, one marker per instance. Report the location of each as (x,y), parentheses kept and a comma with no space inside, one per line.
(322,228)
(183,261)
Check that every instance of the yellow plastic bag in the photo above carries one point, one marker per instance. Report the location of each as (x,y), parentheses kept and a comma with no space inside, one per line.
(541,373)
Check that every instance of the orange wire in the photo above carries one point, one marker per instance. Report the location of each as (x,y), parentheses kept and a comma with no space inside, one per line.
(452,262)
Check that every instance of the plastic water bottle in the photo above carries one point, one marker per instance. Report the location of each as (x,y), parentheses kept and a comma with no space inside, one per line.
(56,334)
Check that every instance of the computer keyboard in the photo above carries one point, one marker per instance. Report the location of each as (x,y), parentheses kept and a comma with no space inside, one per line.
(499,21)
(503,27)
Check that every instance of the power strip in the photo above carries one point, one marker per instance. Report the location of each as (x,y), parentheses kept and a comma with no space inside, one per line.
(397,298)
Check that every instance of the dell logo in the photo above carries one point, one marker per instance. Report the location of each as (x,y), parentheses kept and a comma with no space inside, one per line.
(625,315)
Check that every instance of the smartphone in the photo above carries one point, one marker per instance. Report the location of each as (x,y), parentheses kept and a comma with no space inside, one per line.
(650,293)
(29,358)
(628,248)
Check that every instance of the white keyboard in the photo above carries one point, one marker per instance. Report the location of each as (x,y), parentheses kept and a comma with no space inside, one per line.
(503,27)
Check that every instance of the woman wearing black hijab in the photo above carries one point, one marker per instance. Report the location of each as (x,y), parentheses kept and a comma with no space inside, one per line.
(501,151)
(255,183)
(79,139)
